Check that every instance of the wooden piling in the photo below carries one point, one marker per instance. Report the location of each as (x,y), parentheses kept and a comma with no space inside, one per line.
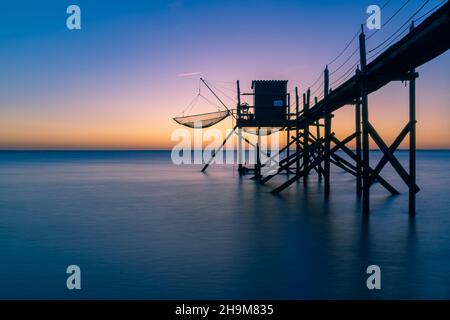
(258,156)
(319,171)
(365,122)
(358,147)
(288,131)
(240,151)
(412,142)
(327,117)
(297,144)
(306,136)
(412,138)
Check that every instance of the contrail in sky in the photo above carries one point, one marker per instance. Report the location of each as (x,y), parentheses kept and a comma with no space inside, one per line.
(188,74)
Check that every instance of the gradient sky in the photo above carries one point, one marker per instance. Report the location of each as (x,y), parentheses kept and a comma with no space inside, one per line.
(116,83)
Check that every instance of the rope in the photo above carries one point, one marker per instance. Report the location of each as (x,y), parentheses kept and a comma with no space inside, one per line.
(220,81)
(352,68)
(218,89)
(224,88)
(345,77)
(401,27)
(345,62)
(316,81)
(210,102)
(191,104)
(385,4)
(315,91)
(345,49)
(432,10)
(410,19)
(357,34)
(391,42)
(390,19)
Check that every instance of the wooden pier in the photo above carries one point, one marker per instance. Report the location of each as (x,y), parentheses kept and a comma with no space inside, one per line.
(316,152)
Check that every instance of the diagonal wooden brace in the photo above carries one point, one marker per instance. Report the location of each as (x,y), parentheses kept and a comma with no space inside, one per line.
(384,160)
(379,179)
(391,158)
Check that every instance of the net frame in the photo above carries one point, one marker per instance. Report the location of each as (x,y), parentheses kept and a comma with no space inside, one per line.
(206,119)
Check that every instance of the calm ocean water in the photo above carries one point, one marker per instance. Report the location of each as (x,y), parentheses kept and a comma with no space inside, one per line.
(140,227)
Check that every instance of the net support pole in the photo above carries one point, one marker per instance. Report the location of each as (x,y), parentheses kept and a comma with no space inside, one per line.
(218,149)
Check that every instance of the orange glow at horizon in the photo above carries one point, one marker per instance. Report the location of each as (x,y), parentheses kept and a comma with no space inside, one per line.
(143,134)
(118,83)
(139,126)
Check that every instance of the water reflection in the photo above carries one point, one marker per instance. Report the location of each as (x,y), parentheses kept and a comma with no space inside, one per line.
(142,228)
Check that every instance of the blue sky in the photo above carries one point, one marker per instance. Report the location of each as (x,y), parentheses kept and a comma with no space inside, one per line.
(122,66)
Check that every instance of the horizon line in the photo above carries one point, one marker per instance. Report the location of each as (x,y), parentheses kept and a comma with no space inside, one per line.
(165,150)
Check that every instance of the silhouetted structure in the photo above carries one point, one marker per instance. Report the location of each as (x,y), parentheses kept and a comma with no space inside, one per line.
(315,151)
